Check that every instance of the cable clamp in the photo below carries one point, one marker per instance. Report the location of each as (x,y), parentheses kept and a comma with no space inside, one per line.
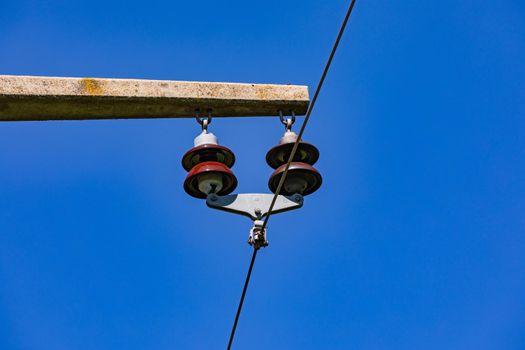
(257,237)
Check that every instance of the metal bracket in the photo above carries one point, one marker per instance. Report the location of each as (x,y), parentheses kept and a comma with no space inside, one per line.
(254,205)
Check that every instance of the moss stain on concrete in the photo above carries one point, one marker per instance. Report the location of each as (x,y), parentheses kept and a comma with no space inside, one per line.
(92,87)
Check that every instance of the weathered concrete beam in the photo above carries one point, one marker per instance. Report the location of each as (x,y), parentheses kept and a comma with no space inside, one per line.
(48,98)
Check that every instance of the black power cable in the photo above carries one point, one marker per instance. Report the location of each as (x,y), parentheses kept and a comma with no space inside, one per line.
(309,112)
(239,308)
(294,150)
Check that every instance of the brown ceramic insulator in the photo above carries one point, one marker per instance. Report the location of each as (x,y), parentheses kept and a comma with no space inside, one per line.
(191,184)
(208,153)
(278,155)
(302,178)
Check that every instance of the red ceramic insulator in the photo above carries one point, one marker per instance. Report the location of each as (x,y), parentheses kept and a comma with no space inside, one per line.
(279,155)
(301,178)
(208,153)
(226,176)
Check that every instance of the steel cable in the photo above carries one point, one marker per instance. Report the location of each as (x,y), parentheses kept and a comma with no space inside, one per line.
(294,150)
(239,308)
(309,112)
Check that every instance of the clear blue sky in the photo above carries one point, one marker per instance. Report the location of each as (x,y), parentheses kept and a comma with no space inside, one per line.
(415,241)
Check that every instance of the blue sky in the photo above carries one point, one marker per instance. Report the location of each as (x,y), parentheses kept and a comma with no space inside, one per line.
(416,239)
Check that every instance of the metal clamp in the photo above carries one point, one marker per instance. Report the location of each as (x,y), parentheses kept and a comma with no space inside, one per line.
(257,237)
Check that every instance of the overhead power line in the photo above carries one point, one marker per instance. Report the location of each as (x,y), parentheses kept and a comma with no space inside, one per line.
(242,298)
(309,112)
(292,155)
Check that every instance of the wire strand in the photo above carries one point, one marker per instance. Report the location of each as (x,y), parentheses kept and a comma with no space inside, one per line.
(294,150)
(309,112)
(239,308)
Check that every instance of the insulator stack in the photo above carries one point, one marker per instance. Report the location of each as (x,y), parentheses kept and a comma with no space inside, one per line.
(208,165)
(302,177)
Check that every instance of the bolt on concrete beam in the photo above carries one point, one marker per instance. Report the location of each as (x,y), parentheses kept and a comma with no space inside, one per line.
(26,98)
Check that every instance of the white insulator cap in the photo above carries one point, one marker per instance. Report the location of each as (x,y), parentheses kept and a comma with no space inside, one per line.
(288,137)
(205,138)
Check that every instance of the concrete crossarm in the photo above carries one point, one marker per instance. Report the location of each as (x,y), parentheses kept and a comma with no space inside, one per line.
(24,98)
